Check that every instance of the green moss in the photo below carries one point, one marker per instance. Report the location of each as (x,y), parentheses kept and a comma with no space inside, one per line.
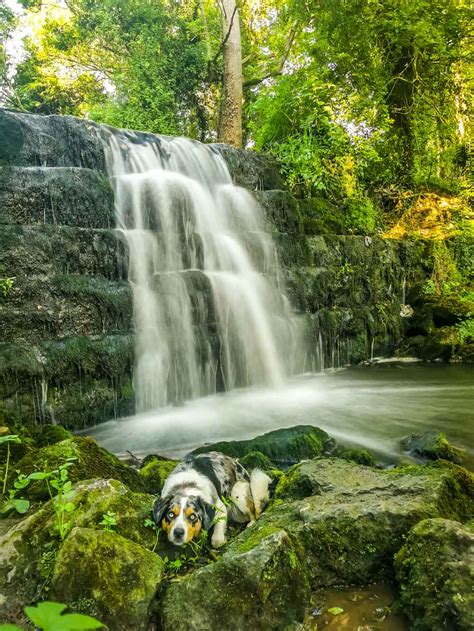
(432,445)
(256,460)
(155,471)
(50,434)
(360,456)
(435,572)
(115,578)
(91,461)
(280,446)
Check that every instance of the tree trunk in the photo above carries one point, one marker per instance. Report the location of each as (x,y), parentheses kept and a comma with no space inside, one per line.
(230,122)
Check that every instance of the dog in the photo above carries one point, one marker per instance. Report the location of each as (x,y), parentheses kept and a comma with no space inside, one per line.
(206,490)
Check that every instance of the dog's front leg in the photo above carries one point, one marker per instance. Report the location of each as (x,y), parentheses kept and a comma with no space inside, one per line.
(218,536)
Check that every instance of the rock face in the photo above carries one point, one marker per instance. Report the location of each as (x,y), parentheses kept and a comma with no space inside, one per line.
(435,570)
(332,522)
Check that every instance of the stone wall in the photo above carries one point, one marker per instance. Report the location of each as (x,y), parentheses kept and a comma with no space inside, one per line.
(66,351)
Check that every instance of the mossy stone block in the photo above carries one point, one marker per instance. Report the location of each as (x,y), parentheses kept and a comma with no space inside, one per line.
(92,461)
(284,446)
(262,587)
(432,445)
(106,575)
(435,570)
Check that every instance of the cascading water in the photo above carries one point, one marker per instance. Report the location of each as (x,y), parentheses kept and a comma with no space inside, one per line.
(208,311)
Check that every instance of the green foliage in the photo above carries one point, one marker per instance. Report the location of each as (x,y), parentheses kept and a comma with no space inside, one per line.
(108,521)
(466,331)
(50,616)
(6,285)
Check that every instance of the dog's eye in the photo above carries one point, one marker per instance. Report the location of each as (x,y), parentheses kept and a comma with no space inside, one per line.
(171,515)
(193,517)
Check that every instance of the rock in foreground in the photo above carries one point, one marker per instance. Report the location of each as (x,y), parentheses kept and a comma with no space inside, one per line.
(339,523)
(435,569)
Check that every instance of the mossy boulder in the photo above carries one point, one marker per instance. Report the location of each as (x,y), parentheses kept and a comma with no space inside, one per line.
(155,471)
(261,587)
(345,528)
(432,445)
(351,519)
(92,461)
(28,547)
(435,570)
(50,434)
(355,454)
(256,460)
(285,446)
(108,576)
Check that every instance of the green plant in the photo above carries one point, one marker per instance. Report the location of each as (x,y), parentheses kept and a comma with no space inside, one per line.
(108,521)
(466,330)
(10,438)
(18,504)
(58,480)
(6,285)
(49,616)
(149,523)
(194,552)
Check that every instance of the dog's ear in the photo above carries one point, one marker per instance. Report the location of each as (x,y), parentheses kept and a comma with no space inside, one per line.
(208,513)
(159,508)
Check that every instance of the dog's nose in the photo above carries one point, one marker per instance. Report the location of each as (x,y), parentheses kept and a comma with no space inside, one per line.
(178,533)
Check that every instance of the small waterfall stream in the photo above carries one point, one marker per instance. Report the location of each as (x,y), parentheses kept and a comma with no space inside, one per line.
(208,310)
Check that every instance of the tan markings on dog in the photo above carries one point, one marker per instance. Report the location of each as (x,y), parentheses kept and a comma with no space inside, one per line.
(166,523)
(193,528)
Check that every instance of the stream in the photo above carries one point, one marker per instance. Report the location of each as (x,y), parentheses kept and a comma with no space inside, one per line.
(371,406)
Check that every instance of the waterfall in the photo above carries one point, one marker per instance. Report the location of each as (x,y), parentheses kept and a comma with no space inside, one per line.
(209,314)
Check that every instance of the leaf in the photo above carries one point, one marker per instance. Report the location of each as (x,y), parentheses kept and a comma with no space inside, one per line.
(69,507)
(44,614)
(77,621)
(9,627)
(49,616)
(10,438)
(335,611)
(37,475)
(21,506)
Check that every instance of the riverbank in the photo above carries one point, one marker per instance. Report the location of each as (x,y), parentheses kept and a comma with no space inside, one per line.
(332,521)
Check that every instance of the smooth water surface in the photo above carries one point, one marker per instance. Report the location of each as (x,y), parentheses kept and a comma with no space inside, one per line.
(371,406)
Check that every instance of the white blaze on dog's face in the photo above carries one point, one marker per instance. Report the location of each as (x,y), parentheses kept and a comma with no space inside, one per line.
(182,520)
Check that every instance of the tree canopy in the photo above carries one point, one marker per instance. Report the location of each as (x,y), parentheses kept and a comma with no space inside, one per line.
(353,96)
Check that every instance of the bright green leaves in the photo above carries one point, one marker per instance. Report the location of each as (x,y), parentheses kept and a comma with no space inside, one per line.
(49,616)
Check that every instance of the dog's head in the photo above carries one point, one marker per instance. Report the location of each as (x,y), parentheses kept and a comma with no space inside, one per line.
(182,517)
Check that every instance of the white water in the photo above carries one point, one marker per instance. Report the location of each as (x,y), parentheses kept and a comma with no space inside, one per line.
(209,314)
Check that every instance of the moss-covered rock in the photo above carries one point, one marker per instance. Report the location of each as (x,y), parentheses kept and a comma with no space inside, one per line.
(263,586)
(352,519)
(284,446)
(256,460)
(28,547)
(91,461)
(435,570)
(106,575)
(355,454)
(50,434)
(155,471)
(432,445)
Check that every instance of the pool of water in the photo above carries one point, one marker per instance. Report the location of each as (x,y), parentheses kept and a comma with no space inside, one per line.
(372,406)
(355,609)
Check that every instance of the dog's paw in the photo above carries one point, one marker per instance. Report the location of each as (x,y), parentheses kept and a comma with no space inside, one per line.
(251,523)
(218,540)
